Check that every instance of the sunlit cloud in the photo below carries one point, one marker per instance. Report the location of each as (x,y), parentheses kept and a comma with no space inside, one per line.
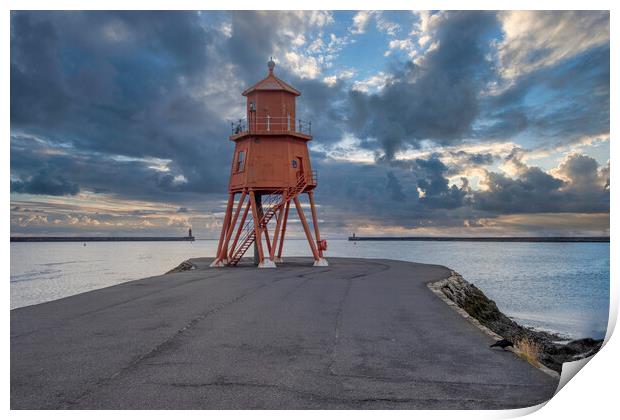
(536,39)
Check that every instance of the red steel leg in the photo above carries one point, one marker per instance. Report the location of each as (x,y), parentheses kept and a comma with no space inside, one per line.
(304,223)
(257,229)
(239,230)
(315,222)
(284,220)
(233,223)
(276,232)
(225,228)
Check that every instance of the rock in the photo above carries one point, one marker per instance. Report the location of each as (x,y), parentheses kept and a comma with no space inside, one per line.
(479,306)
(184,266)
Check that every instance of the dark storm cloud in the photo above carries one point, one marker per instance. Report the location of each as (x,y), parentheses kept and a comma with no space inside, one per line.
(251,44)
(462,161)
(391,191)
(475,159)
(533,192)
(582,189)
(582,171)
(45,182)
(92,171)
(435,187)
(445,99)
(570,100)
(394,187)
(130,83)
(119,84)
(438,100)
(324,106)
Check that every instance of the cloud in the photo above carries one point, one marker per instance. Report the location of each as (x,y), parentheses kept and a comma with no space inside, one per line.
(303,66)
(137,100)
(406,45)
(373,83)
(475,159)
(436,101)
(257,35)
(535,39)
(394,187)
(561,103)
(433,186)
(583,173)
(456,90)
(360,22)
(362,18)
(581,189)
(35,220)
(45,182)
(385,25)
(332,80)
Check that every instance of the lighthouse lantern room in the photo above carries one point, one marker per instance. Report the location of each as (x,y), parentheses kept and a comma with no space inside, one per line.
(270,171)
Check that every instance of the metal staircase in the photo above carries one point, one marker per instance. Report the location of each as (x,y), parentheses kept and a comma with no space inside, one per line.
(277,199)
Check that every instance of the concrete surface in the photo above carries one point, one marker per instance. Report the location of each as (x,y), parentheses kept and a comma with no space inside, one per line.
(356,334)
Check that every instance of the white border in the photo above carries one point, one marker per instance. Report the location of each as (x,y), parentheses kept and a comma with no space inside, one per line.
(592,394)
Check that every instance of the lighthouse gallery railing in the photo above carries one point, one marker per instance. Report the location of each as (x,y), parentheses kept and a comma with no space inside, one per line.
(273,124)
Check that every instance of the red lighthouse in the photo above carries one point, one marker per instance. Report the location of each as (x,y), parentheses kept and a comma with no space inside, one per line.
(270,171)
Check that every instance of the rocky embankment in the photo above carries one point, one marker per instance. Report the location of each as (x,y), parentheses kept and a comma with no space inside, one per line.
(551,352)
(184,266)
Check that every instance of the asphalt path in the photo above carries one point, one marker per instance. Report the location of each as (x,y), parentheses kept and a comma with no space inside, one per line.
(356,334)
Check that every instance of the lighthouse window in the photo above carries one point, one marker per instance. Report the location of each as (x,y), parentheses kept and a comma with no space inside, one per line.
(240,161)
(294,162)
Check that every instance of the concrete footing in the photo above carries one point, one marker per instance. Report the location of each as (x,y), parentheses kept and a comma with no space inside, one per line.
(267,263)
(321,262)
(218,263)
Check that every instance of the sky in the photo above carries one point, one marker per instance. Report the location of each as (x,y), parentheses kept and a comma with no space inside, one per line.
(474,123)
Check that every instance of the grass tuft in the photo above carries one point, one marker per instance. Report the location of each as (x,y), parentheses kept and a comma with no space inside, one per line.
(529,350)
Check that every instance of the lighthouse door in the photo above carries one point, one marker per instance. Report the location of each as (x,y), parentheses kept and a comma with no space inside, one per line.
(300,166)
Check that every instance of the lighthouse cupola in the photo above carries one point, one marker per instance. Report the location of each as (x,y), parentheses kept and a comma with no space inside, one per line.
(270,170)
(271,104)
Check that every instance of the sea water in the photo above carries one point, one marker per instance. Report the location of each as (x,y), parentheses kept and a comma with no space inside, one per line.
(559,287)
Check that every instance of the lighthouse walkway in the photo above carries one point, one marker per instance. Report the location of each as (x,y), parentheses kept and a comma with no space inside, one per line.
(356,334)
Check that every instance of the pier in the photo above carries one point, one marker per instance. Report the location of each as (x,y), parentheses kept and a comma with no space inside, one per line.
(100,238)
(357,334)
(581,239)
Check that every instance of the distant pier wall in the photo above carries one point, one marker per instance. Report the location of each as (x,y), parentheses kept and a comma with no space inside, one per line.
(483,239)
(99,239)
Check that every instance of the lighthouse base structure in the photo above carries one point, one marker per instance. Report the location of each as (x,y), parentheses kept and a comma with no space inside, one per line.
(247,224)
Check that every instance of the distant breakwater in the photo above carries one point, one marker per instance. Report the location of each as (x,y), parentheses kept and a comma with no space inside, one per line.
(580,239)
(100,238)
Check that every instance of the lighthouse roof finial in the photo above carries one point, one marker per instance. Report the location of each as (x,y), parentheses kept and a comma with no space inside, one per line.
(271,82)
